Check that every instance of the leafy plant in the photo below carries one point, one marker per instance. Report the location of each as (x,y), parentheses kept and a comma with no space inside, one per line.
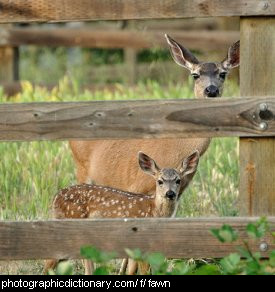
(98,257)
(245,261)
(225,234)
(63,268)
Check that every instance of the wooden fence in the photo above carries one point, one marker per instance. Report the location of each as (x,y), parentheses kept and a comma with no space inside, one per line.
(130,40)
(129,36)
(251,119)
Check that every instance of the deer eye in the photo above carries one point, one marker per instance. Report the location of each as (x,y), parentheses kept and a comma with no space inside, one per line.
(160,182)
(223,75)
(195,76)
(178,181)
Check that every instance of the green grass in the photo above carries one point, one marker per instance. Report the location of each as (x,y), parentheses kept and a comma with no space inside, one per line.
(31,173)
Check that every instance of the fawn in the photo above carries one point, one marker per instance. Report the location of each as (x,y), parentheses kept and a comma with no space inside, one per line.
(93,201)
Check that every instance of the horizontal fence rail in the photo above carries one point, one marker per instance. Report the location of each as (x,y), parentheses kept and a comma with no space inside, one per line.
(137,119)
(89,38)
(82,10)
(176,238)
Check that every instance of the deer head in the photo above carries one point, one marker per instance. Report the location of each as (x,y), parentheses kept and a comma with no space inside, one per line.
(209,77)
(170,182)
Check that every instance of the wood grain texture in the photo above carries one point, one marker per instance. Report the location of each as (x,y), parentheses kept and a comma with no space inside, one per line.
(257,156)
(85,37)
(176,238)
(71,10)
(136,119)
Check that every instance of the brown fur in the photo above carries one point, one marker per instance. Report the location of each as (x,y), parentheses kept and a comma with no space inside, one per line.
(113,162)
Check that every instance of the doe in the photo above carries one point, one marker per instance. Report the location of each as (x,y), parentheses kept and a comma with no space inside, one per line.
(93,201)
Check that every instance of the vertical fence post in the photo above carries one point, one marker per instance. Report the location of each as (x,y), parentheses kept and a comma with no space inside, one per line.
(130,59)
(9,58)
(257,78)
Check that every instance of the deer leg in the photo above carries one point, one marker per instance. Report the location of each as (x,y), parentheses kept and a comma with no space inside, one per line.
(50,264)
(132,267)
(81,174)
(123,266)
(89,267)
(143,268)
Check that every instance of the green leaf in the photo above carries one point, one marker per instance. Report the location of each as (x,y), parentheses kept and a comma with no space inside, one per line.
(181,268)
(158,262)
(97,256)
(230,264)
(64,268)
(207,270)
(225,234)
(101,271)
(253,267)
(134,254)
(51,272)
(272,259)
(258,229)
(244,252)
(251,230)
(91,253)
(216,233)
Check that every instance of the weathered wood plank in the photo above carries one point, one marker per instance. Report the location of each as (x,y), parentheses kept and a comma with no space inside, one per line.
(136,119)
(85,37)
(176,238)
(257,171)
(71,10)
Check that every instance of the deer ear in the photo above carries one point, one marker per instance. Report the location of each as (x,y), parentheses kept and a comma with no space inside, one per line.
(189,164)
(233,57)
(147,164)
(181,55)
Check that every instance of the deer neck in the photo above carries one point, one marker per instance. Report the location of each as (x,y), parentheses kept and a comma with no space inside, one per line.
(163,207)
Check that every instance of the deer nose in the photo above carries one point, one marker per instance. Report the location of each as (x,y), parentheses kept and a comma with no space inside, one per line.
(211,91)
(170,195)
